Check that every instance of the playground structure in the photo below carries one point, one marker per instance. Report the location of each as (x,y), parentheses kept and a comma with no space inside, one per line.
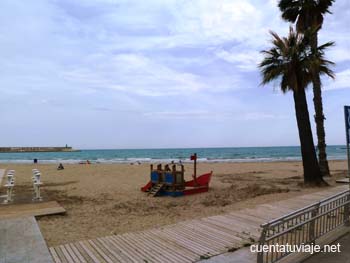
(170,181)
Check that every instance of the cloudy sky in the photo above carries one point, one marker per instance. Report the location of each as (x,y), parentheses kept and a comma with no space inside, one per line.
(155,73)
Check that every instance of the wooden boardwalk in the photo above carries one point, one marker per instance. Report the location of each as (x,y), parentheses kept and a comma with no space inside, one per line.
(21,242)
(31,209)
(187,241)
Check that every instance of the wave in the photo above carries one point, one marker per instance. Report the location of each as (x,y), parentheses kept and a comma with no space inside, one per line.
(135,160)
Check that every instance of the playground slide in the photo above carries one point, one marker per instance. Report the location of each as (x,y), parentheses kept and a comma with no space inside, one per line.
(147,187)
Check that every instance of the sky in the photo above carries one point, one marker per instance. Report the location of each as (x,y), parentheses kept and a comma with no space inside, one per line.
(154,74)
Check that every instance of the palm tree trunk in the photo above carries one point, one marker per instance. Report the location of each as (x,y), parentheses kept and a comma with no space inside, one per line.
(319,119)
(312,173)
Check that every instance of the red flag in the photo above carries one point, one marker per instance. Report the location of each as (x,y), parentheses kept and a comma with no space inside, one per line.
(194,157)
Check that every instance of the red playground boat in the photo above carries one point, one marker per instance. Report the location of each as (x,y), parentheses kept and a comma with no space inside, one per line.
(170,181)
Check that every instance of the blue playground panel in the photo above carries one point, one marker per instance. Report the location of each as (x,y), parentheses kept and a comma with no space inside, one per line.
(173,194)
(154,177)
(169,178)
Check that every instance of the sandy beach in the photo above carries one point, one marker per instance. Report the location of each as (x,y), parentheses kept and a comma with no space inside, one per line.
(104,199)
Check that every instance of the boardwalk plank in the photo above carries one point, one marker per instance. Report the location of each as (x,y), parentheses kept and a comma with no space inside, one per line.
(147,249)
(204,235)
(94,257)
(31,209)
(61,255)
(118,254)
(170,245)
(223,230)
(159,246)
(248,218)
(265,214)
(154,249)
(146,256)
(131,253)
(241,236)
(220,232)
(54,255)
(71,253)
(66,254)
(76,252)
(83,253)
(252,227)
(190,242)
(195,235)
(100,251)
(235,224)
(169,237)
(208,235)
(229,228)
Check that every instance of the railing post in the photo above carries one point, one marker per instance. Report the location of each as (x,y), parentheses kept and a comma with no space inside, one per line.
(314,213)
(347,210)
(260,256)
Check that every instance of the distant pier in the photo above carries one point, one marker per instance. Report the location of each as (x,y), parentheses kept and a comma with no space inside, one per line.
(36,149)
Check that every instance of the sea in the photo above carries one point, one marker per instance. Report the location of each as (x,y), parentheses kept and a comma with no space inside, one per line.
(227,154)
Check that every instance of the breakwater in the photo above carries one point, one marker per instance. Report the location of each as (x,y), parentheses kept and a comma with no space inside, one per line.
(36,149)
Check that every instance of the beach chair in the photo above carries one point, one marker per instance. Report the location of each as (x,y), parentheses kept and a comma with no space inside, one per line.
(9,186)
(37,184)
(34,172)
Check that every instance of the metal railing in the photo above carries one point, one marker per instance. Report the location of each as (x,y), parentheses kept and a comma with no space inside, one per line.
(303,226)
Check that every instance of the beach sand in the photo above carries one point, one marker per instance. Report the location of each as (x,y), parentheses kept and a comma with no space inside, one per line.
(105,199)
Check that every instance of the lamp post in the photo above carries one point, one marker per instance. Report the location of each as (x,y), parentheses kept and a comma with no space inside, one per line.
(194,158)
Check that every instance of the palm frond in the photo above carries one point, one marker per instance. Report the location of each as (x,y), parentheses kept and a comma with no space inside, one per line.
(290,10)
(293,62)
(324,5)
(324,70)
(306,13)
(322,48)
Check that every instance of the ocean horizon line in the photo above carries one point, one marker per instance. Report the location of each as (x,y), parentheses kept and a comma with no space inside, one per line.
(209,147)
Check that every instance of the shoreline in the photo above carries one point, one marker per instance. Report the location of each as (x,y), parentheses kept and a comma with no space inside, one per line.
(138,161)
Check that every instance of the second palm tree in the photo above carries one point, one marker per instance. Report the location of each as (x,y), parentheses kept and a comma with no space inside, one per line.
(292,61)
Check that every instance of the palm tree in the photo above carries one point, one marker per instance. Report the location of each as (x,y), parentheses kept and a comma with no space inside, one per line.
(308,14)
(293,62)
